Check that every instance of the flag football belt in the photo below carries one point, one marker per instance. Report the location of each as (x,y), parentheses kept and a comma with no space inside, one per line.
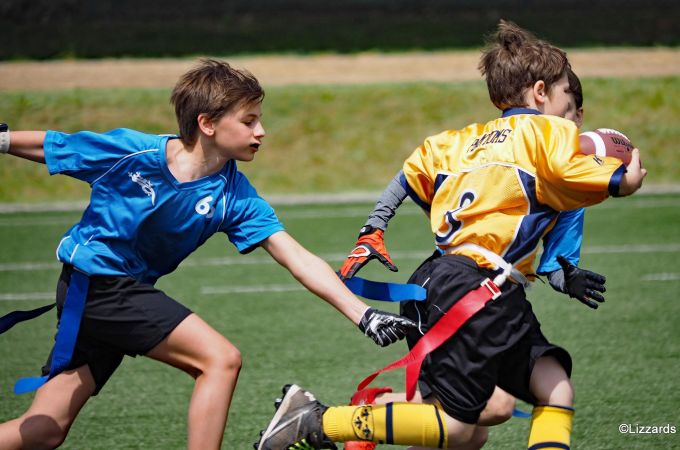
(386,292)
(508,270)
(67,331)
(399,292)
(469,305)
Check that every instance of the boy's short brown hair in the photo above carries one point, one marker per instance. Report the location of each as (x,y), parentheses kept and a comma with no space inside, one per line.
(575,88)
(213,88)
(515,60)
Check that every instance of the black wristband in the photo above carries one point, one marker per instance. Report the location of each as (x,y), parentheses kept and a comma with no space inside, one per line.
(4,138)
(366,229)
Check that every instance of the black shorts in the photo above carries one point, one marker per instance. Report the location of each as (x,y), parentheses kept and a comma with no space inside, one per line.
(497,346)
(122,317)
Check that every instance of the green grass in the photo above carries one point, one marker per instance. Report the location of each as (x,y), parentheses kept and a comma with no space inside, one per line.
(625,354)
(336,138)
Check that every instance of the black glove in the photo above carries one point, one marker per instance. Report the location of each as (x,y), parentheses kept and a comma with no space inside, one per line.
(383,327)
(583,285)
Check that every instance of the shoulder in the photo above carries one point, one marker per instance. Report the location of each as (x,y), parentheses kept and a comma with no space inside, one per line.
(448,137)
(543,121)
(138,139)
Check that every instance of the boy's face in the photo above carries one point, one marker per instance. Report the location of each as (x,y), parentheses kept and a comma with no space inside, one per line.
(238,134)
(557,102)
(573,113)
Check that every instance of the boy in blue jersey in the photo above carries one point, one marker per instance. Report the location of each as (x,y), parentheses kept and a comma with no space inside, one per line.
(492,191)
(154,200)
(558,262)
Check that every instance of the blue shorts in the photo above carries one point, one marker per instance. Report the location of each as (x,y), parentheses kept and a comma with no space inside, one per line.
(122,317)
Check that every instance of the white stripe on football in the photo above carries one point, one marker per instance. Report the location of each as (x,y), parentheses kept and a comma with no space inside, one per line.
(606,142)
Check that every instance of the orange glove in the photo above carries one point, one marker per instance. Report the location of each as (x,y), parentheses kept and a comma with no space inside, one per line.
(370,245)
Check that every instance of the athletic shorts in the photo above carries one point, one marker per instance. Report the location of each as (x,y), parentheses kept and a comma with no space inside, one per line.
(497,346)
(122,317)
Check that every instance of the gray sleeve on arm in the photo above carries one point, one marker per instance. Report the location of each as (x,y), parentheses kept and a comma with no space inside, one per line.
(387,204)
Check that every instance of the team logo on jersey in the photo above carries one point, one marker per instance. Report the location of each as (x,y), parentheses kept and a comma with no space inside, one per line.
(204,207)
(146,185)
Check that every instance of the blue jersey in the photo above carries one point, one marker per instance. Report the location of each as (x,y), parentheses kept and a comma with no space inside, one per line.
(141,222)
(564,239)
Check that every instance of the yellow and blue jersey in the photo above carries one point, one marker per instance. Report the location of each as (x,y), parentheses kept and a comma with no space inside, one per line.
(501,185)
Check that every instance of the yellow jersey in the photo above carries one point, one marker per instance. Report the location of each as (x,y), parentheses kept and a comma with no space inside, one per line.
(500,185)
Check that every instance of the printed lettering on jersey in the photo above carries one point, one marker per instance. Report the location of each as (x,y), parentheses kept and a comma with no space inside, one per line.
(146,185)
(492,137)
(204,207)
(483,150)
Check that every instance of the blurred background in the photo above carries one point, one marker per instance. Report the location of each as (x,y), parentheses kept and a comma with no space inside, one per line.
(351,84)
(45,29)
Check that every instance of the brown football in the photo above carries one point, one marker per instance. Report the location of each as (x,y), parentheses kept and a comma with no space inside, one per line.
(606,142)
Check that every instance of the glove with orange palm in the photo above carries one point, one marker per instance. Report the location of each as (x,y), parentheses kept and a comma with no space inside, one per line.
(370,245)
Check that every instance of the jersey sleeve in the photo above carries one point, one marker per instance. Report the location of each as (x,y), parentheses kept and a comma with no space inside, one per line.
(388,203)
(250,219)
(567,178)
(564,239)
(86,155)
(419,174)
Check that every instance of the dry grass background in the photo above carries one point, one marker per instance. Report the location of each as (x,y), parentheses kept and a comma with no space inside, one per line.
(320,69)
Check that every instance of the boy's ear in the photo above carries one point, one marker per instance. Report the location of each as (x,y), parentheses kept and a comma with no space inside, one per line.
(205,124)
(539,92)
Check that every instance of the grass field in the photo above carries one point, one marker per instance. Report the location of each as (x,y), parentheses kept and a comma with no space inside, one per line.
(625,354)
(337,138)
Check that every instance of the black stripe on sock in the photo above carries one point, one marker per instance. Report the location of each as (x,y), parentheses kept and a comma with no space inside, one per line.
(389,435)
(441,428)
(549,445)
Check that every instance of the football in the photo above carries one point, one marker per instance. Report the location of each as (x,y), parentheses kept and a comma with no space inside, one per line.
(606,142)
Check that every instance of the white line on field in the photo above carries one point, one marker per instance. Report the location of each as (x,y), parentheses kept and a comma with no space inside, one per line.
(218,290)
(309,213)
(632,248)
(661,277)
(12,296)
(339,257)
(28,266)
(643,200)
(250,289)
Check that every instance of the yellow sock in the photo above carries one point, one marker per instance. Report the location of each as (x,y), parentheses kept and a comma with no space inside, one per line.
(550,427)
(393,423)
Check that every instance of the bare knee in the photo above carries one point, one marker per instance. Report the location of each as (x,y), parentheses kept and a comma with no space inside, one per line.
(498,409)
(41,432)
(226,359)
(232,360)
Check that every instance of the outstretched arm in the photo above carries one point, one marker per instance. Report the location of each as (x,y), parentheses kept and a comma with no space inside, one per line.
(317,276)
(27,145)
(583,285)
(387,204)
(560,258)
(370,244)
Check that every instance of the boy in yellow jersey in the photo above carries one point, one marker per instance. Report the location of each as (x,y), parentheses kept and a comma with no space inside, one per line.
(561,247)
(492,191)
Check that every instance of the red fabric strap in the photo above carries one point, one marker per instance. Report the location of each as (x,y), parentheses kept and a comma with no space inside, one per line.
(445,327)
